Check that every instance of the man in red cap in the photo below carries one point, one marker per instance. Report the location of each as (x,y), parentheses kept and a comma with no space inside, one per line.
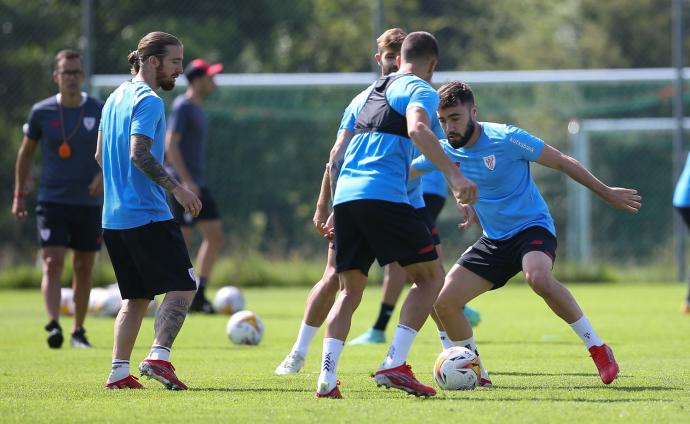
(185,151)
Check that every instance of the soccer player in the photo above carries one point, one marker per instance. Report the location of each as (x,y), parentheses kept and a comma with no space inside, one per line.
(322,295)
(681,201)
(519,233)
(428,195)
(68,210)
(186,151)
(145,244)
(372,215)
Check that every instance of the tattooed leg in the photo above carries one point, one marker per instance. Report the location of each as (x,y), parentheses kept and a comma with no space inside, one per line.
(171,315)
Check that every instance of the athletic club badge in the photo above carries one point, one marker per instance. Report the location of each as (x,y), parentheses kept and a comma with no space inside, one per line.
(45,234)
(490,162)
(89,122)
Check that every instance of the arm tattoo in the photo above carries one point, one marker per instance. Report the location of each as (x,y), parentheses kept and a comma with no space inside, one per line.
(169,321)
(334,173)
(140,153)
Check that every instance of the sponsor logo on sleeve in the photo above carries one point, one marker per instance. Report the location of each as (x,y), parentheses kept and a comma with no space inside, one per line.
(521,144)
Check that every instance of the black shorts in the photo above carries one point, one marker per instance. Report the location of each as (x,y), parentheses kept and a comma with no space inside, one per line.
(424,214)
(150,260)
(499,260)
(385,231)
(209,210)
(75,226)
(434,205)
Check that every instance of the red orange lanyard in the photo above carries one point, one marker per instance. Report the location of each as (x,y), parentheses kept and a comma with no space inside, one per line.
(65,151)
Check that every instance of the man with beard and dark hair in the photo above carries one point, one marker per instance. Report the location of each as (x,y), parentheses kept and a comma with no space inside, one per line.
(145,244)
(519,233)
(68,209)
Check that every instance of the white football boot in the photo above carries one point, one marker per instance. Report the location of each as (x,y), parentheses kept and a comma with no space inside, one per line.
(291,364)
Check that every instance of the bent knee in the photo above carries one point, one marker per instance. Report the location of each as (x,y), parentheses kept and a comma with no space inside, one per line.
(540,281)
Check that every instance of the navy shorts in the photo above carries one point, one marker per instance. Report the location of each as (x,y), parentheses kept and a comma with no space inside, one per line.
(499,260)
(75,226)
(150,260)
(434,205)
(426,217)
(376,229)
(209,210)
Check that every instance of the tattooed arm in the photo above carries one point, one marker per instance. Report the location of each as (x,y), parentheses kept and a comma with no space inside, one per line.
(140,154)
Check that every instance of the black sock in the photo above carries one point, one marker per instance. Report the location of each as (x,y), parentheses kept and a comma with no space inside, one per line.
(384,316)
(52,325)
(201,291)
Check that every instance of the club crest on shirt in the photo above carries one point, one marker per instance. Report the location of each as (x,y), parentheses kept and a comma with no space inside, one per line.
(89,122)
(45,234)
(490,162)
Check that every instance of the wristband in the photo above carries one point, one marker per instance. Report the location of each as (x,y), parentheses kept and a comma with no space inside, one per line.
(21,194)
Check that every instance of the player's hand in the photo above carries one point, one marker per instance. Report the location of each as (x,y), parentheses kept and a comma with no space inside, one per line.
(623,198)
(464,189)
(320,217)
(329,228)
(470,216)
(18,209)
(193,187)
(96,185)
(188,200)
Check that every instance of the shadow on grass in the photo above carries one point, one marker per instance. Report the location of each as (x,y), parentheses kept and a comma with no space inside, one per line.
(540,399)
(597,386)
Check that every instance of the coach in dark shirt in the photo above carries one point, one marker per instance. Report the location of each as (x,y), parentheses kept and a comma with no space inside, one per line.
(68,209)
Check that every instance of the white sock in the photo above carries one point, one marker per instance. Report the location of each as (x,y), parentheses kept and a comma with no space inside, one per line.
(445,341)
(329,364)
(402,342)
(304,338)
(159,352)
(584,330)
(118,370)
(471,345)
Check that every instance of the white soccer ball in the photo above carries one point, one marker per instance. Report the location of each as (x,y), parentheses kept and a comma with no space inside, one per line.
(457,368)
(109,303)
(96,298)
(228,300)
(66,301)
(245,327)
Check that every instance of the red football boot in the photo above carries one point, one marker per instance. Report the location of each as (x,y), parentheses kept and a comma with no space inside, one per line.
(605,362)
(161,371)
(402,377)
(129,382)
(333,394)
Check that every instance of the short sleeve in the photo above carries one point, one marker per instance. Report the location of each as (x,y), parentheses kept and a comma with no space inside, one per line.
(423,165)
(32,127)
(522,145)
(348,121)
(425,97)
(147,114)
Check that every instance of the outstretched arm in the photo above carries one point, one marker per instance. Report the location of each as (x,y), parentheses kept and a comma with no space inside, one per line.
(617,197)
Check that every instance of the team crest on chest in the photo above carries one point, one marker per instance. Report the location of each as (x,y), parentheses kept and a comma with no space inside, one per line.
(490,162)
(89,122)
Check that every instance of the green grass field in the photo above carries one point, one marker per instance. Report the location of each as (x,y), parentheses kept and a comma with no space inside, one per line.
(541,371)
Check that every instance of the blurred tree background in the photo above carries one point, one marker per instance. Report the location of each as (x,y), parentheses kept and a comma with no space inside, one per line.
(264,36)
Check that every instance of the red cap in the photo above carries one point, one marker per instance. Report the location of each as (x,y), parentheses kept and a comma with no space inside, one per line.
(199,67)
